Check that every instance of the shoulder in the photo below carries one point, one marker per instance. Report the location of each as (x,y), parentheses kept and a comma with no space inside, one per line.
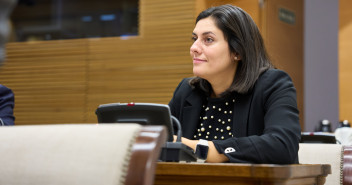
(5,92)
(6,97)
(274,78)
(185,91)
(184,86)
(275,84)
(274,74)
(3,88)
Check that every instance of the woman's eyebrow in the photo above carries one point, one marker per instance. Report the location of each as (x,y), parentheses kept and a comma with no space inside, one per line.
(205,33)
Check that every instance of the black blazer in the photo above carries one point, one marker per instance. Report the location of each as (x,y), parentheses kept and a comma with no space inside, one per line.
(265,122)
(6,106)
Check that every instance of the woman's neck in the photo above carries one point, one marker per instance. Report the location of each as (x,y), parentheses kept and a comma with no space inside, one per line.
(219,88)
(221,84)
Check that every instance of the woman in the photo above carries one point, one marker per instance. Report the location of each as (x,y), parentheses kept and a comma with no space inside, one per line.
(244,108)
(6,94)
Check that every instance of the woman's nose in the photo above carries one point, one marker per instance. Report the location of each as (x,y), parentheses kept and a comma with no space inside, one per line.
(195,48)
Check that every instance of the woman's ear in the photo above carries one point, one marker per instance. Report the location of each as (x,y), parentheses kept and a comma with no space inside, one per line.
(236,57)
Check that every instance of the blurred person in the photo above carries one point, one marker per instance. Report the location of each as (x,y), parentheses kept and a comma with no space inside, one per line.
(6,94)
(7,101)
(6,7)
(238,108)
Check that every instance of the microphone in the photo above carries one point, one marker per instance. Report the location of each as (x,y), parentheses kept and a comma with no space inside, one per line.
(178,125)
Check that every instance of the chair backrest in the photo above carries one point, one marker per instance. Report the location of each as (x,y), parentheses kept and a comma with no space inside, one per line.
(316,153)
(347,165)
(145,154)
(75,154)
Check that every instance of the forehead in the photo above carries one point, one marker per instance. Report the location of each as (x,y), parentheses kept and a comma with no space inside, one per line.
(206,25)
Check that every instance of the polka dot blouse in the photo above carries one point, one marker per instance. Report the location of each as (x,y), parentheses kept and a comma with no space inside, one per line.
(215,122)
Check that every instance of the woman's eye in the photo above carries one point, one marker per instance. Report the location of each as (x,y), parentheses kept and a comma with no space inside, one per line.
(209,40)
(194,39)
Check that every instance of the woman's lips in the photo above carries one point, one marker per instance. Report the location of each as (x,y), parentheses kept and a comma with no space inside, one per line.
(198,61)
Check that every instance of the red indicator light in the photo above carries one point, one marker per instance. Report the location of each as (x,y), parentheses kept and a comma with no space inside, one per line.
(130,104)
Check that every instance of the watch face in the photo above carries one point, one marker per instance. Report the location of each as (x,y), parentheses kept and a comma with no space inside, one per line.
(202,151)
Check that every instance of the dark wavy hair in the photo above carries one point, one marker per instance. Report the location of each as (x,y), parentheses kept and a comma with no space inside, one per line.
(244,39)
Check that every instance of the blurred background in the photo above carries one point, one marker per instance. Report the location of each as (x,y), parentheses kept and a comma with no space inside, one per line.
(66,57)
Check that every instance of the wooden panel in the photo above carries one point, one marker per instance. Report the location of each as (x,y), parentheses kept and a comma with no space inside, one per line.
(65,81)
(146,68)
(250,6)
(48,79)
(345,64)
(285,43)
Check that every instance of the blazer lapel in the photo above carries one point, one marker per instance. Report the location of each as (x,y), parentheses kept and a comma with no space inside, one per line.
(241,113)
(191,113)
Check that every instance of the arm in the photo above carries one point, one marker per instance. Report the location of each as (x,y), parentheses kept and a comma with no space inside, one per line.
(176,107)
(266,123)
(213,154)
(272,129)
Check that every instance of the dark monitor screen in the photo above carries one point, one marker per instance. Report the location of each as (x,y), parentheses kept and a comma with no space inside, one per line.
(141,113)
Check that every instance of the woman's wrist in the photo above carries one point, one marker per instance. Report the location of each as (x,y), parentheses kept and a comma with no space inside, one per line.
(190,143)
(213,155)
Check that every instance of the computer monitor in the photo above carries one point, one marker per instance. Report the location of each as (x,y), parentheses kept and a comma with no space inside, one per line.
(142,113)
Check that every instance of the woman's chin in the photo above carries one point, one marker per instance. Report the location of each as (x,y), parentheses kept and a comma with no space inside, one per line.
(197,73)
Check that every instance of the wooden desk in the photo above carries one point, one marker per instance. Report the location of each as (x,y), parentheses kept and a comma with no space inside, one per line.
(244,174)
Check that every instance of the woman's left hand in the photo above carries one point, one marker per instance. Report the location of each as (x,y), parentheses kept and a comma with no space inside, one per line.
(213,154)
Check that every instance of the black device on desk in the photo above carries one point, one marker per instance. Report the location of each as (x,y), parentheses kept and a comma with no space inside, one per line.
(149,114)
(317,137)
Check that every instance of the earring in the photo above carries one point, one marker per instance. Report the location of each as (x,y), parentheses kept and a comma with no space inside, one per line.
(235,57)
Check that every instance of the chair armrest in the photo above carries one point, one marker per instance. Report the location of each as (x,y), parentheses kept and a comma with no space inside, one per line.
(146,150)
(347,165)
